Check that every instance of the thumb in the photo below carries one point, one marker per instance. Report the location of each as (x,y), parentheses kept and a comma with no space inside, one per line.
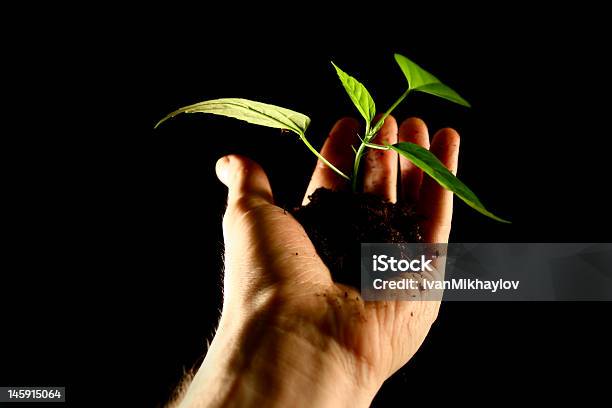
(246,181)
(248,189)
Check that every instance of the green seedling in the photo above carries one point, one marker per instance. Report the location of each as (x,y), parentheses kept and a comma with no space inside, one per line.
(418,80)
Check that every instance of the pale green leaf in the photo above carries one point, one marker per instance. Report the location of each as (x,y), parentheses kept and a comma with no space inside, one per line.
(257,113)
(422,81)
(426,161)
(358,94)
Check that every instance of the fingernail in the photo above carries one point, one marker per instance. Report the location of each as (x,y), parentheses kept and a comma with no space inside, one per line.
(221,168)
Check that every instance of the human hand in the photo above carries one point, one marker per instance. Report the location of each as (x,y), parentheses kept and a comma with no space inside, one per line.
(288,334)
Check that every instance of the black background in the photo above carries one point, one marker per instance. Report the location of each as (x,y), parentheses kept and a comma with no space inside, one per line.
(112,285)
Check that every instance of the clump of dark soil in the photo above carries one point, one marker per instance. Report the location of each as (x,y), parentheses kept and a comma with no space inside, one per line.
(337,222)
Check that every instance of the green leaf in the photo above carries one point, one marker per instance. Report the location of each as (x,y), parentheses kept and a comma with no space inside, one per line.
(257,113)
(422,81)
(426,161)
(358,94)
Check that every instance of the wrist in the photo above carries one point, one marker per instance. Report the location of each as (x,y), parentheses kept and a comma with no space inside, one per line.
(266,361)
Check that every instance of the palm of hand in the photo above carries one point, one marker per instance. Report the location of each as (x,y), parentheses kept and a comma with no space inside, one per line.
(271,264)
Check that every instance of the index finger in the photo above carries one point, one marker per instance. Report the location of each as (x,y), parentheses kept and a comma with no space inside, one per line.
(337,150)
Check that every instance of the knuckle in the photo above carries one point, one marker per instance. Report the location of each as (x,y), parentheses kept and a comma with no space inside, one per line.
(243,204)
(241,209)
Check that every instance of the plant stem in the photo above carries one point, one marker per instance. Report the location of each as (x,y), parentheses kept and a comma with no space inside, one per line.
(369,134)
(378,147)
(323,159)
(388,112)
(356,166)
